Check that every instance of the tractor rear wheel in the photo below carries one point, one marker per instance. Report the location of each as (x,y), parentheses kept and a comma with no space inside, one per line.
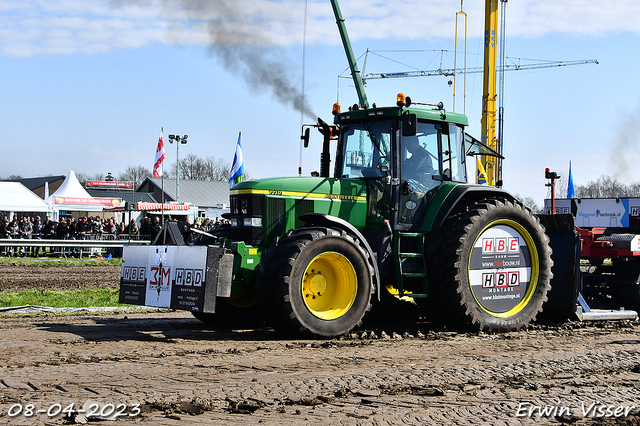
(315,281)
(493,271)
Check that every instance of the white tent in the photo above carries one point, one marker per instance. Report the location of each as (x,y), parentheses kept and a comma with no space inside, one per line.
(71,196)
(15,197)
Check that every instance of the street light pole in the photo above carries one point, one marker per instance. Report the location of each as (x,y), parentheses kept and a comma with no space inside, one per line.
(179,140)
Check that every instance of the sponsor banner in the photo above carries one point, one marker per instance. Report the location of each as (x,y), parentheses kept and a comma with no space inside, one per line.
(133,284)
(500,269)
(158,278)
(188,288)
(101,184)
(112,202)
(600,212)
(164,276)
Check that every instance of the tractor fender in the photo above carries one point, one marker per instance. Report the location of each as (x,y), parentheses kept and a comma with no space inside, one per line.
(321,219)
(464,195)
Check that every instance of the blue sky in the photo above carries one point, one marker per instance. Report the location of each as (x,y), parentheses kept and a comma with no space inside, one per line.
(87,84)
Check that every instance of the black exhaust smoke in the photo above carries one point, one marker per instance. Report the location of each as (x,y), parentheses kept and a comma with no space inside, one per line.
(240,38)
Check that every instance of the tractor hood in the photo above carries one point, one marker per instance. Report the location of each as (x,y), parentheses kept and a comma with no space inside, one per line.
(305,188)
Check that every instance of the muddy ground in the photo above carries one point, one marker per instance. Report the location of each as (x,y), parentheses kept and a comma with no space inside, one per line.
(16,277)
(167,368)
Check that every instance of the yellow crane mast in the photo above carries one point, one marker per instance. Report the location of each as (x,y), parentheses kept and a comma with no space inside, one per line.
(488,121)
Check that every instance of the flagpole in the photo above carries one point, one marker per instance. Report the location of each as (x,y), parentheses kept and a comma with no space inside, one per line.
(162,184)
(158,168)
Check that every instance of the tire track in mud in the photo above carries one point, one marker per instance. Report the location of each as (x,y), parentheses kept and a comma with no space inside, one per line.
(179,371)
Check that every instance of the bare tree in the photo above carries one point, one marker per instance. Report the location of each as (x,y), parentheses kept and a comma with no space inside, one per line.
(135,174)
(607,187)
(197,168)
(562,184)
(220,170)
(83,177)
(530,203)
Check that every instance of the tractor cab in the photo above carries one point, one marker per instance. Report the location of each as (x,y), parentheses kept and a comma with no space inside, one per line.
(404,153)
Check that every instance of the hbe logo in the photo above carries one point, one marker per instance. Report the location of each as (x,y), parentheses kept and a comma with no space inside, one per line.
(134,274)
(501,245)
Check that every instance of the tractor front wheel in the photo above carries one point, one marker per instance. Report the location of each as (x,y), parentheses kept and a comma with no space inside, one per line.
(315,280)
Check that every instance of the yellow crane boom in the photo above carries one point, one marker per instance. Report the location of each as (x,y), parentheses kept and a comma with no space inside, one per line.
(488,121)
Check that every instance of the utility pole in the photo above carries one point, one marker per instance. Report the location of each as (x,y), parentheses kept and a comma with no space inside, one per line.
(179,140)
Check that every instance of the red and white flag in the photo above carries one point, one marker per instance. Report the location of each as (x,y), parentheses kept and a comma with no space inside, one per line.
(157,167)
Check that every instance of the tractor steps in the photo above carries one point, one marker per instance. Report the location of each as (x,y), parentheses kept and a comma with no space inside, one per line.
(410,264)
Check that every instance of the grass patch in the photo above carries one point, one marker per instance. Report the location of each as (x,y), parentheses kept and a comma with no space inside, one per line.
(97,297)
(58,261)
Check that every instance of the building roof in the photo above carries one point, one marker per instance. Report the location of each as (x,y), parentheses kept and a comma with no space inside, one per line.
(36,182)
(200,193)
(15,197)
(127,196)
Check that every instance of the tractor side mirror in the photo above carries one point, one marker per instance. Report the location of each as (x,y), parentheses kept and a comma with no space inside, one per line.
(305,137)
(409,124)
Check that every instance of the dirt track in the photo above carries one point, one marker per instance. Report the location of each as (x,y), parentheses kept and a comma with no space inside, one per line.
(181,372)
(15,277)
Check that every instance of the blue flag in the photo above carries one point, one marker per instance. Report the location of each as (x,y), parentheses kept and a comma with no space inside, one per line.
(237,169)
(571,190)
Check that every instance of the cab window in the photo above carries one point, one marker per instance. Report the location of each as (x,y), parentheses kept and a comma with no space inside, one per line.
(366,148)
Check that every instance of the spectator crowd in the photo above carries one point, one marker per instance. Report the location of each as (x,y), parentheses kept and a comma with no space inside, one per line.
(66,228)
(86,227)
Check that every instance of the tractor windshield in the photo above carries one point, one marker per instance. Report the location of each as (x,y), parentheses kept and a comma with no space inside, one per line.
(433,155)
(366,147)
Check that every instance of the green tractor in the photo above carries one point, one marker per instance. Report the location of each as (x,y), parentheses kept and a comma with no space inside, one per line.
(394,220)
(391,219)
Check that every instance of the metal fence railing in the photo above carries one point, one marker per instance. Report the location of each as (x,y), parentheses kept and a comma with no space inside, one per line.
(91,244)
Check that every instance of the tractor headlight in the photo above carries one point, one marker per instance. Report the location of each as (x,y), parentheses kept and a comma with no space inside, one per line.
(252,221)
(234,221)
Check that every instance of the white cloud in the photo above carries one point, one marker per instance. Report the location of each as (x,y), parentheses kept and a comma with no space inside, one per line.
(577,17)
(50,27)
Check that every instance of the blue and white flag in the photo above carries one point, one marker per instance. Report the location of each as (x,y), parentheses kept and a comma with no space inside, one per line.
(571,189)
(237,169)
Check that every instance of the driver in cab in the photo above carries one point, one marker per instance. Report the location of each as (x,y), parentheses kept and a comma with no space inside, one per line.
(417,162)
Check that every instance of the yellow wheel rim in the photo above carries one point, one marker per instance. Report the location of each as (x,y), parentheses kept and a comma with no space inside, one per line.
(329,285)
